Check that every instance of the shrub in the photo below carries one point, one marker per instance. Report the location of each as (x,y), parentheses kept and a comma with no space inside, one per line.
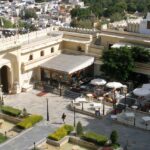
(95,138)
(29,121)
(2,138)
(68,128)
(58,135)
(115,146)
(114,137)
(61,132)
(79,128)
(10,111)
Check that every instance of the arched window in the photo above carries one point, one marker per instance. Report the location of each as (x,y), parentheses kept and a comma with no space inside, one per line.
(52,50)
(42,53)
(31,57)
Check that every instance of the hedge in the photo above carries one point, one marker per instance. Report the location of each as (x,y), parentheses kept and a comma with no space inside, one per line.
(95,138)
(29,121)
(10,111)
(61,132)
(68,128)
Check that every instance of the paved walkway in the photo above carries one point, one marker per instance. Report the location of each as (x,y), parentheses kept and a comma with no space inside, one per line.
(26,139)
(138,139)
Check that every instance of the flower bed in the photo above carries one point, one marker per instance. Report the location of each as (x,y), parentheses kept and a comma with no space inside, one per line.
(29,121)
(95,138)
(61,132)
(10,111)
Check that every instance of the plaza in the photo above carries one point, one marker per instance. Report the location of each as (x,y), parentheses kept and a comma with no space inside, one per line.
(135,138)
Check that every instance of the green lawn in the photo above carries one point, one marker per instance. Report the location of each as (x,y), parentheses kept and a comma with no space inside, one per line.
(3,138)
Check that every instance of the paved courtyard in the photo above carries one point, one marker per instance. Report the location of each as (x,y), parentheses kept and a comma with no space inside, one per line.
(137,139)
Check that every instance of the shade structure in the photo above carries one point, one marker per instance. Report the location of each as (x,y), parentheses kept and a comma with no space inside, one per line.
(68,63)
(80,99)
(141,92)
(98,81)
(114,85)
(146,86)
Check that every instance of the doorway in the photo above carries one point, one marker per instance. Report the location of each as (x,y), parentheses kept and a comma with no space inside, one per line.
(4,79)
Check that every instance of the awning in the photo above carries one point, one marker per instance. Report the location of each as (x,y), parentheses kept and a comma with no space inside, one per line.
(68,63)
(118,45)
(4,62)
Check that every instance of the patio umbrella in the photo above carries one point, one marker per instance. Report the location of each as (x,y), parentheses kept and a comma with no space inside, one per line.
(80,99)
(114,85)
(146,86)
(141,92)
(98,81)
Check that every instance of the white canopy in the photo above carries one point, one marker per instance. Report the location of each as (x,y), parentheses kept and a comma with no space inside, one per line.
(114,85)
(98,81)
(68,63)
(146,86)
(141,92)
(80,99)
(118,45)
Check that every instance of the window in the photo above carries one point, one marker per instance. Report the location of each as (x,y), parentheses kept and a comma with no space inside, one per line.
(42,53)
(31,57)
(52,50)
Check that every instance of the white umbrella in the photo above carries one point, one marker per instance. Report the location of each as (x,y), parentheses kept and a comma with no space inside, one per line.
(141,92)
(80,99)
(114,85)
(146,86)
(98,81)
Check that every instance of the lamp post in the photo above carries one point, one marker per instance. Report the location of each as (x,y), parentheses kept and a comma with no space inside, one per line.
(114,100)
(134,121)
(47,110)
(104,106)
(34,146)
(60,86)
(125,94)
(74,121)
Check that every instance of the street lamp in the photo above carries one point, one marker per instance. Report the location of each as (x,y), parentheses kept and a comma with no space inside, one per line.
(125,94)
(134,121)
(60,88)
(74,110)
(104,106)
(34,146)
(47,110)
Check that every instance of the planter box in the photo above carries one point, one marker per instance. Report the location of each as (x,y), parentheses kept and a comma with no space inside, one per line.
(58,143)
(12,119)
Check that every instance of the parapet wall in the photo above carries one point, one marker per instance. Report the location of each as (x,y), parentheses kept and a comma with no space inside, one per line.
(79,30)
(6,43)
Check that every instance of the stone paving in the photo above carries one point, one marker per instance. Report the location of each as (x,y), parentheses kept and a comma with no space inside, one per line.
(137,139)
(28,137)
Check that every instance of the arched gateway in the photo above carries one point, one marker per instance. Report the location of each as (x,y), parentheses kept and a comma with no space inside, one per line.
(4,73)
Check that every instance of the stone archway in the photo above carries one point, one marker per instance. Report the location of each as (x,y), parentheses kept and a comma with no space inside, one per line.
(4,74)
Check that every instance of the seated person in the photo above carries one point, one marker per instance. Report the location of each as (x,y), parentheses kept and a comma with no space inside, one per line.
(108,99)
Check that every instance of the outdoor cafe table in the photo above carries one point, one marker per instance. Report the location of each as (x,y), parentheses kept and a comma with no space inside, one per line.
(90,96)
(146,118)
(134,107)
(130,114)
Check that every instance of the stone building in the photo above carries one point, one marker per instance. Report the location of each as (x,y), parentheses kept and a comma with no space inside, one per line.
(24,57)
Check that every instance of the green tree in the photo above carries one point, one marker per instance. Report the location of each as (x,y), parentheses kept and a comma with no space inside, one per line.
(30,13)
(6,23)
(79,129)
(118,63)
(114,137)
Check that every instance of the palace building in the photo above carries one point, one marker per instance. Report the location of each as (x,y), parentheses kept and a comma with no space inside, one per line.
(59,53)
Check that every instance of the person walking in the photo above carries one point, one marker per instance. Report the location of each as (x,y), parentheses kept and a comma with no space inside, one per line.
(63,117)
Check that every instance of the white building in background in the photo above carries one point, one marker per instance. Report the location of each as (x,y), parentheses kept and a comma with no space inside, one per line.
(144,26)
